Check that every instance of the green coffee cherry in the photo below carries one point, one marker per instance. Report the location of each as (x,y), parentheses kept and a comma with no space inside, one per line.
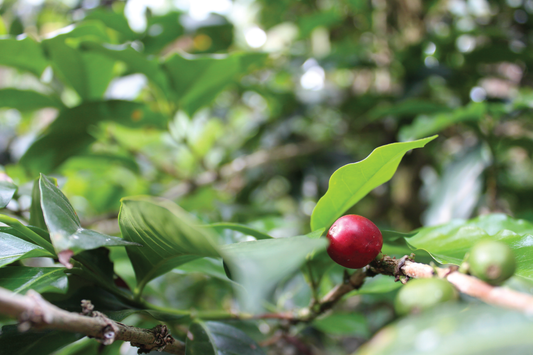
(492,261)
(420,294)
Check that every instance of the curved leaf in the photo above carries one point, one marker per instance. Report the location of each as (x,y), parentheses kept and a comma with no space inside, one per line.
(135,61)
(352,182)
(27,100)
(214,338)
(20,279)
(259,265)
(238,228)
(13,248)
(167,233)
(66,232)
(7,191)
(196,80)
(24,54)
(343,324)
(455,329)
(448,243)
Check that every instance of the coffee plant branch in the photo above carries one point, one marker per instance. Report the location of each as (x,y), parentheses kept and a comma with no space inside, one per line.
(469,285)
(33,311)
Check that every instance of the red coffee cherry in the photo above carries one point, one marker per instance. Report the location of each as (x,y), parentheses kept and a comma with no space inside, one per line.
(354,241)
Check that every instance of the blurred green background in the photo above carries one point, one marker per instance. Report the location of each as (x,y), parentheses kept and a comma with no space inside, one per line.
(308,86)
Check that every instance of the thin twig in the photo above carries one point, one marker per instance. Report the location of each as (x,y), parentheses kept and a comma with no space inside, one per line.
(33,311)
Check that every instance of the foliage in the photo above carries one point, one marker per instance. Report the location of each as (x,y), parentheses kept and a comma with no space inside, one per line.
(173,173)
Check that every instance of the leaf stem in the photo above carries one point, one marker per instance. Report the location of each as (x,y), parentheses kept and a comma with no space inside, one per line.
(28,233)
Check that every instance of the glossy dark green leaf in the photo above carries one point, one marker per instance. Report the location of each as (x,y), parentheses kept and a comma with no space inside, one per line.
(218,227)
(168,235)
(27,100)
(69,134)
(96,262)
(24,54)
(455,329)
(214,338)
(352,182)
(20,279)
(13,248)
(343,324)
(448,243)
(259,265)
(33,342)
(390,236)
(197,80)
(64,225)
(26,233)
(426,125)
(43,233)
(7,191)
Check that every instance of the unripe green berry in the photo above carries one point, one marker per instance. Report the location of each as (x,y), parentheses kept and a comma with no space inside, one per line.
(492,261)
(420,294)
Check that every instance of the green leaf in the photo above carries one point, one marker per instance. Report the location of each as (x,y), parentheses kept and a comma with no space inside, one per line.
(135,61)
(214,338)
(448,243)
(343,324)
(13,249)
(24,54)
(218,227)
(69,134)
(197,80)
(168,235)
(259,265)
(169,28)
(36,212)
(455,329)
(7,191)
(20,279)
(33,342)
(377,284)
(96,262)
(207,266)
(425,125)
(457,193)
(27,100)
(113,20)
(28,234)
(87,73)
(42,233)
(64,225)
(352,182)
